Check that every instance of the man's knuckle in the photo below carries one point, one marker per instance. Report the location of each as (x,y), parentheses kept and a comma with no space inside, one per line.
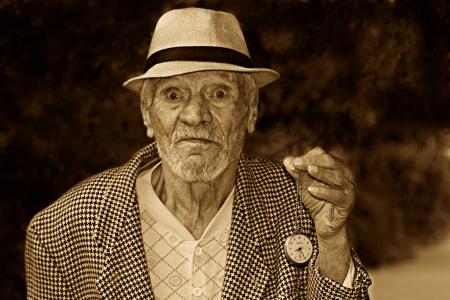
(322,193)
(316,150)
(320,150)
(328,159)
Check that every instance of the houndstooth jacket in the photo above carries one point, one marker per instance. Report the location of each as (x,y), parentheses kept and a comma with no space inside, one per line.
(88,244)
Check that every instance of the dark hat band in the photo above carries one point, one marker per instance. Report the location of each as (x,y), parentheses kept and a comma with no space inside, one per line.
(199,53)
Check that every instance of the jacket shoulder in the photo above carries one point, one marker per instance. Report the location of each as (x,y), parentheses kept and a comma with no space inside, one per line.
(78,206)
(76,214)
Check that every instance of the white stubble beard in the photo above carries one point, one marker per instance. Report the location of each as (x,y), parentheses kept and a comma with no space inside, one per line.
(203,169)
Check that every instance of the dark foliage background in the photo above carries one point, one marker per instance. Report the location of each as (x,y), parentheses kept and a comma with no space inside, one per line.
(365,79)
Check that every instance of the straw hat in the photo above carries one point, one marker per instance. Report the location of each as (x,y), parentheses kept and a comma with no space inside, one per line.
(196,39)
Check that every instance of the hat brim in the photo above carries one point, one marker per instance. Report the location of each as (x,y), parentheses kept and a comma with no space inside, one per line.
(262,76)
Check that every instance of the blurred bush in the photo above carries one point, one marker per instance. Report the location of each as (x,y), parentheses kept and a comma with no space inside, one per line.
(367,80)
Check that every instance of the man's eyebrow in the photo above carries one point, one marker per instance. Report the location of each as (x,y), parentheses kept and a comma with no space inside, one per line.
(162,81)
(224,75)
(223,80)
(222,83)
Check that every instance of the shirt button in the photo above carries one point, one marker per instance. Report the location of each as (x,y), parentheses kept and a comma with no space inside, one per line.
(175,280)
(172,238)
(152,258)
(197,291)
(224,237)
(198,251)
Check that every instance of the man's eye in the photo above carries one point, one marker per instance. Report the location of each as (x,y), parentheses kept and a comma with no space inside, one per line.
(173,95)
(219,93)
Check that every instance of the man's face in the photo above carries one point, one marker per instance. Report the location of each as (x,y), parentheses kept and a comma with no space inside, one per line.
(199,122)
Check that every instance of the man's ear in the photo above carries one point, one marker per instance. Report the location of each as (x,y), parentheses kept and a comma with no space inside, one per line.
(253,111)
(150,131)
(145,110)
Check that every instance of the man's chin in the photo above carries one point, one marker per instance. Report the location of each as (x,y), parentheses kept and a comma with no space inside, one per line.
(193,164)
(197,158)
(196,167)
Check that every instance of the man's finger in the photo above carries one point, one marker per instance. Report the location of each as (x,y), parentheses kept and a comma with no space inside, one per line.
(315,151)
(288,163)
(334,196)
(302,162)
(331,177)
(322,160)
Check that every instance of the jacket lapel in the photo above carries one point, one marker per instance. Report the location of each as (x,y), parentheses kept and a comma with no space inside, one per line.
(266,211)
(247,272)
(124,273)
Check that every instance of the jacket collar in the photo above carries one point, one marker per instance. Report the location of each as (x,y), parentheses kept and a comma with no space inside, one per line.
(119,196)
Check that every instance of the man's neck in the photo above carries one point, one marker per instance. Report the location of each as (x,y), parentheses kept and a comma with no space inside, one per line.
(194,204)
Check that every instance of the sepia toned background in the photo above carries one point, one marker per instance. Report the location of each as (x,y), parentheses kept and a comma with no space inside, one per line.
(367,80)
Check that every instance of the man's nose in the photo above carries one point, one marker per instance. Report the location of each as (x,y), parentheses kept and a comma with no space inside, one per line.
(196,111)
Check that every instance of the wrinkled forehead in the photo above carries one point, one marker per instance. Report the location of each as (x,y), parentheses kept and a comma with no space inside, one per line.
(202,77)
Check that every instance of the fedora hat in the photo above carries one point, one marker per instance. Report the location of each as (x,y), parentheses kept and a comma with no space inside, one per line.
(197,39)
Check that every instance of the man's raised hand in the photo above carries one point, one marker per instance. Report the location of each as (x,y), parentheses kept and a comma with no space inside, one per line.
(327,190)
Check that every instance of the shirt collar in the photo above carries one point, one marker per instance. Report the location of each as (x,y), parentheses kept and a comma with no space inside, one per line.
(151,203)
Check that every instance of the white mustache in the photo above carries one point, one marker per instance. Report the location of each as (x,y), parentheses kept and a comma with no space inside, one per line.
(200,133)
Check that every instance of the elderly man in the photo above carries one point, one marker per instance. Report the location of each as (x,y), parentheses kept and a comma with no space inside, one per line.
(189,216)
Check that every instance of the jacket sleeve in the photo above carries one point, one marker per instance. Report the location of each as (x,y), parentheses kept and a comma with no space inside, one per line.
(43,279)
(320,287)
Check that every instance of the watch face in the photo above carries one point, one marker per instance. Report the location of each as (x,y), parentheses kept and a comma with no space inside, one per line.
(298,248)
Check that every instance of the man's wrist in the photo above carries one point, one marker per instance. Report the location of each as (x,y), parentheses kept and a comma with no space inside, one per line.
(337,240)
(334,256)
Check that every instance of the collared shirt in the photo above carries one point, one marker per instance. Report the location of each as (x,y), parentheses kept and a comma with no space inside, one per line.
(180,266)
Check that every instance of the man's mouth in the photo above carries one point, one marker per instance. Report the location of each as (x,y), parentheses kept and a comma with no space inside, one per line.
(197,140)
